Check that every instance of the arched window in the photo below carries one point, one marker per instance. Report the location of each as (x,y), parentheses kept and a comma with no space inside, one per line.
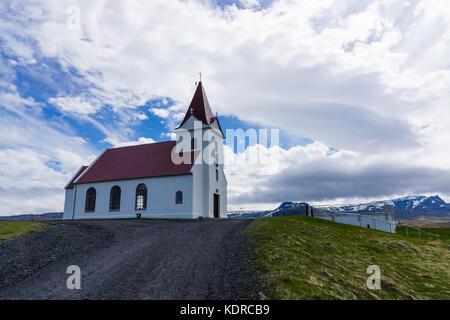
(90,200)
(193,144)
(114,199)
(217,175)
(179,197)
(141,197)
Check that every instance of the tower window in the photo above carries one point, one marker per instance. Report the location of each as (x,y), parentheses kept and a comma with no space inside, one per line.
(217,175)
(179,197)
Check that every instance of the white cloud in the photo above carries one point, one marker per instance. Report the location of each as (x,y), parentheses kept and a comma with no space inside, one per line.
(75,104)
(141,116)
(162,113)
(249,3)
(36,159)
(171,135)
(15,201)
(141,140)
(351,64)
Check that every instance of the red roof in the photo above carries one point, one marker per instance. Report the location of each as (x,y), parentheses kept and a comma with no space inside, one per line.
(134,162)
(200,108)
(79,172)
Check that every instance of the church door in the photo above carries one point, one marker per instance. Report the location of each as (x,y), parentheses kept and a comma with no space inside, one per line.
(216,206)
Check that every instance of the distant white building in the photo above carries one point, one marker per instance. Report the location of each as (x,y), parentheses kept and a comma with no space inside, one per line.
(372,218)
(379,221)
(145,181)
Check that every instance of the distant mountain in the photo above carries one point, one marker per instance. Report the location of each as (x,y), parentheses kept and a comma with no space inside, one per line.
(285,209)
(33,217)
(243,214)
(421,206)
(411,206)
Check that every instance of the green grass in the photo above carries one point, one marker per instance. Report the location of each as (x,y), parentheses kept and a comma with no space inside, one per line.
(306,258)
(444,233)
(10,230)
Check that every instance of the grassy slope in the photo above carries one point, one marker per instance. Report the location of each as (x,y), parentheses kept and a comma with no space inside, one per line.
(9,230)
(444,233)
(306,258)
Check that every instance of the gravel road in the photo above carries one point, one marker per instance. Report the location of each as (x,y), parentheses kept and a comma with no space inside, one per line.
(131,259)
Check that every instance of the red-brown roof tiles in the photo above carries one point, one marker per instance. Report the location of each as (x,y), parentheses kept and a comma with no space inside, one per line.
(134,162)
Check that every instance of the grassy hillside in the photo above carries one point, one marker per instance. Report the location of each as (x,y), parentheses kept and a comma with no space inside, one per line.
(307,258)
(9,230)
(444,233)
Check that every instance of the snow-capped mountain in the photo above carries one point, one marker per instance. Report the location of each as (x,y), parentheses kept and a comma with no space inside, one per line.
(415,206)
(410,206)
(285,209)
(405,207)
(375,206)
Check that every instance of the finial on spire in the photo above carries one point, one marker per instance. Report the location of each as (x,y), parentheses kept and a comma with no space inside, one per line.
(200,75)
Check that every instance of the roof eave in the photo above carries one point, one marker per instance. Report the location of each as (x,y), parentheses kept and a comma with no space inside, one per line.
(137,178)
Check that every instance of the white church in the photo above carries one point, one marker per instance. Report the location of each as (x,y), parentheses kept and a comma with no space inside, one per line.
(172,179)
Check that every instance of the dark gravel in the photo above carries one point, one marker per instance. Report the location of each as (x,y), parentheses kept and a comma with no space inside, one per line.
(131,259)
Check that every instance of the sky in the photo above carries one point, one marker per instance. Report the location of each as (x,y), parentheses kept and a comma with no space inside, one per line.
(358,89)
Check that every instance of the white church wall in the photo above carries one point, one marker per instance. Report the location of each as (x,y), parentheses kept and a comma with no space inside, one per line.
(207,193)
(209,175)
(198,192)
(223,195)
(68,204)
(217,187)
(204,195)
(160,198)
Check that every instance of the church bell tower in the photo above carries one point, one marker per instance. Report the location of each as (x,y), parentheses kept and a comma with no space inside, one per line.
(200,132)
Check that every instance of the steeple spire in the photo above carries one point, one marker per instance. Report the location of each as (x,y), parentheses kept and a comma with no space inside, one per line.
(199,107)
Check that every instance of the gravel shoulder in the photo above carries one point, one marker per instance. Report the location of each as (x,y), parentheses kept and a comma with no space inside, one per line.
(131,259)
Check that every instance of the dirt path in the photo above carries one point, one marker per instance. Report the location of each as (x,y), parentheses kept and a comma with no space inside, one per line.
(130,259)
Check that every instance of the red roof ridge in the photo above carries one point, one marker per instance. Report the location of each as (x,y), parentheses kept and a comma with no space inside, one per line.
(141,144)
(75,176)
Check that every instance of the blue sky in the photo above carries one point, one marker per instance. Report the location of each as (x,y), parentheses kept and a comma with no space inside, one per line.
(47,78)
(345,82)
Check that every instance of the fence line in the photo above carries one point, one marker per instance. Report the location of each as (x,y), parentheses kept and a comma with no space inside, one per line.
(419,231)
